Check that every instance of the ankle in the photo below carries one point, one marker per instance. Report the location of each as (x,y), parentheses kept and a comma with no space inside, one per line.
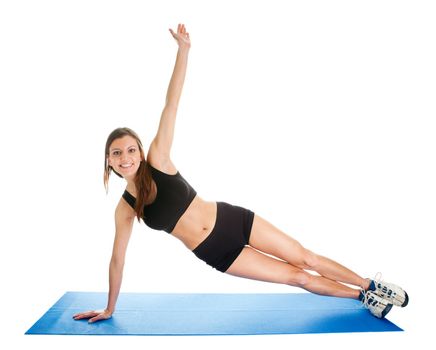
(366,284)
(361,295)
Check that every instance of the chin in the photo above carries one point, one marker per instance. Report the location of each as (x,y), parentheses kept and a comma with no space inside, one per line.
(128,174)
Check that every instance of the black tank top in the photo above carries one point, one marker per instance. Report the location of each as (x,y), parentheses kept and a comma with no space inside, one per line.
(174,194)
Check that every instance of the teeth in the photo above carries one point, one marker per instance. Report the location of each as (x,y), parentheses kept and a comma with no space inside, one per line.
(126,165)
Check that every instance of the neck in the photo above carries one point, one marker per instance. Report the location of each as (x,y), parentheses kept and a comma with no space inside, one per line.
(131,184)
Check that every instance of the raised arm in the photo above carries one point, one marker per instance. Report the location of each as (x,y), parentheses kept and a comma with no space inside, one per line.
(164,137)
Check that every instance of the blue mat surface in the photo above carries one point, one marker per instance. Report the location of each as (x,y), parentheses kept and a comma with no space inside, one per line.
(210,314)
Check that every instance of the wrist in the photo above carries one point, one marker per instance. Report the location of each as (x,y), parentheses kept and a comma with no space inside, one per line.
(184,49)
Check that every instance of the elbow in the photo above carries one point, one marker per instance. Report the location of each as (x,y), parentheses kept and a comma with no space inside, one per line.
(171,105)
(117,263)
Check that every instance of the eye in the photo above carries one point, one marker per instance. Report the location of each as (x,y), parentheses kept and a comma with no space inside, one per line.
(116,153)
(132,150)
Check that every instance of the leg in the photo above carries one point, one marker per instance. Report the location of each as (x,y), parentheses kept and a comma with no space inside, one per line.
(255,265)
(270,240)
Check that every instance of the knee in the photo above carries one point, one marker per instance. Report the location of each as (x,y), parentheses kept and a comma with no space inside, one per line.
(310,260)
(298,279)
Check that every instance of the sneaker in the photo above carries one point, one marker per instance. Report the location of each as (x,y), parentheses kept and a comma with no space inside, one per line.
(389,291)
(378,306)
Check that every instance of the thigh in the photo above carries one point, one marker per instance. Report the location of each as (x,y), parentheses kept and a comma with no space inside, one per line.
(255,265)
(269,239)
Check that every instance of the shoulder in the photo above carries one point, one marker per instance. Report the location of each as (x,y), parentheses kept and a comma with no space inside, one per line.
(160,160)
(124,212)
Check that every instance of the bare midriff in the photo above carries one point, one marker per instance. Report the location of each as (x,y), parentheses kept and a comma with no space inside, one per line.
(196,223)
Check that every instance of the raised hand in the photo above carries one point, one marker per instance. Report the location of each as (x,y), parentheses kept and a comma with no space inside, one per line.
(182,37)
(93,316)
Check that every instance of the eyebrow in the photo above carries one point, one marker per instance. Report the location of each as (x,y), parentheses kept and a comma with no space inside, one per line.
(119,149)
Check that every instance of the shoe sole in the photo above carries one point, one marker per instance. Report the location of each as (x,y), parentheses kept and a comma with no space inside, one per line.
(406,300)
(386,310)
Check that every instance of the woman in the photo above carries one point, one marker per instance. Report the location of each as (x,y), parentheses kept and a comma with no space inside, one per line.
(232,239)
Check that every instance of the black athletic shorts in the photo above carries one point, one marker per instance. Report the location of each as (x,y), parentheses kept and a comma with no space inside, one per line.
(229,236)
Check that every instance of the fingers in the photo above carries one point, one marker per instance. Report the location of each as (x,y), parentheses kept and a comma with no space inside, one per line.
(96,318)
(81,315)
(101,316)
(181,29)
(182,36)
(93,316)
(87,314)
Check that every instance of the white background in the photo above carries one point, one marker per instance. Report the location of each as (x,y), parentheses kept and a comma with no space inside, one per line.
(316,115)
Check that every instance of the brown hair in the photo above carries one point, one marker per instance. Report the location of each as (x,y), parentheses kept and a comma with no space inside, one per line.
(145,186)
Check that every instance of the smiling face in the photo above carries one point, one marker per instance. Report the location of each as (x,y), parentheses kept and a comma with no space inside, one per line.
(125,156)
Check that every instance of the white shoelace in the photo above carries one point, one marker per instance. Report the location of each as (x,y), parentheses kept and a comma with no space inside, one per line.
(378,277)
(394,288)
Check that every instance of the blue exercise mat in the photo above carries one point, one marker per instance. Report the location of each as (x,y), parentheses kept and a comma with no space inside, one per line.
(211,314)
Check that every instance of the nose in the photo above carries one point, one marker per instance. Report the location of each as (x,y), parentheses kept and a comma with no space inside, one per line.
(123,158)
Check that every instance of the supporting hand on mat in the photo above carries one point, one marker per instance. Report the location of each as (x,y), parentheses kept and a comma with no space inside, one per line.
(94,316)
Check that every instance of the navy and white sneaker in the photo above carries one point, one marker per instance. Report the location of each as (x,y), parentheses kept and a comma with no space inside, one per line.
(389,291)
(378,306)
